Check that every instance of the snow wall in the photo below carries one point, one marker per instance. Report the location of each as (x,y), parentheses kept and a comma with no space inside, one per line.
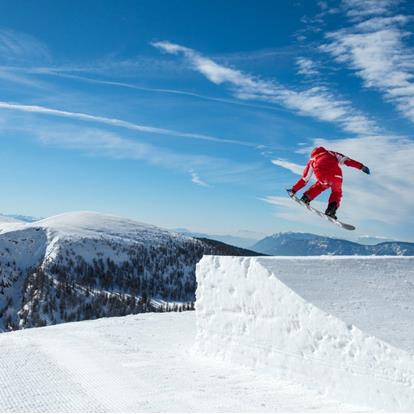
(247,315)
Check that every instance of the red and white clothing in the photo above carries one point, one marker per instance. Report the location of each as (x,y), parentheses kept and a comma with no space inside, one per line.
(325,165)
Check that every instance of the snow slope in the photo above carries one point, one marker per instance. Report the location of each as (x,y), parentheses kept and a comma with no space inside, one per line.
(339,325)
(137,363)
(87,224)
(75,226)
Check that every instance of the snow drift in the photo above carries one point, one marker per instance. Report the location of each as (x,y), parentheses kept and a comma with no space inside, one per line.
(316,321)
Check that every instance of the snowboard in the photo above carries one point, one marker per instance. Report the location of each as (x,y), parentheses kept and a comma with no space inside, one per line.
(320,214)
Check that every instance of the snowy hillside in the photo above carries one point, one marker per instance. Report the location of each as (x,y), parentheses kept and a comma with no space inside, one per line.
(307,244)
(87,265)
(339,325)
(300,334)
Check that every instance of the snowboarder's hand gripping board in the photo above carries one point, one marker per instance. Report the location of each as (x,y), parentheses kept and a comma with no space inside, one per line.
(319,213)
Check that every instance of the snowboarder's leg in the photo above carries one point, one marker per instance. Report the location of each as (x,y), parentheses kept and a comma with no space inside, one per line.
(315,190)
(336,191)
(335,197)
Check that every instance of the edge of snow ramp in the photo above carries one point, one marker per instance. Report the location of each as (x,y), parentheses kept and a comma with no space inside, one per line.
(247,315)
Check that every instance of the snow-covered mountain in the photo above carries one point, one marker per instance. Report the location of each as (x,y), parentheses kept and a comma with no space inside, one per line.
(87,265)
(307,244)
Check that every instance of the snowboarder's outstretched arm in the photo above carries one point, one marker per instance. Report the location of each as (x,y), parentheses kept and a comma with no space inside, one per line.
(306,176)
(344,160)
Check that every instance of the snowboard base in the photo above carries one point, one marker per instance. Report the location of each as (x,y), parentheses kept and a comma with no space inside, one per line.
(320,214)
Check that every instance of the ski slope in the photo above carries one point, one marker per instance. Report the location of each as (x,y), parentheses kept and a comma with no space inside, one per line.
(339,325)
(329,334)
(138,363)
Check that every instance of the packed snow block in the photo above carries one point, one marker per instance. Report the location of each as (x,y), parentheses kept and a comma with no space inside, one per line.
(247,315)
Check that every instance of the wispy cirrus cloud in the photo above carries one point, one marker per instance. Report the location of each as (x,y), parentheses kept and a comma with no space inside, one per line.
(9,75)
(306,66)
(374,47)
(17,47)
(63,73)
(361,9)
(36,109)
(195,178)
(98,142)
(21,49)
(316,102)
(291,166)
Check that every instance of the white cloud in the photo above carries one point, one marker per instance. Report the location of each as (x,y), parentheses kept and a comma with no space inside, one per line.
(306,66)
(100,143)
(11,75)
(195,178)
(375,49)
(295,168)
(20,49)
(17,47)
(117,123)
(358,9)
(316,102)
(63,73)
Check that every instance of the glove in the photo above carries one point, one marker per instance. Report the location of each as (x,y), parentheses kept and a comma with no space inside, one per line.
(365,169)
(291,192)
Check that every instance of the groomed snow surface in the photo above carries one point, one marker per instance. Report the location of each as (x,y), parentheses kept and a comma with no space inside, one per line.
(269,334)
(138,363)
(342,326)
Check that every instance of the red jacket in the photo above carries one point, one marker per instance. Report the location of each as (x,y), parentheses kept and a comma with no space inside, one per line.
(326,166)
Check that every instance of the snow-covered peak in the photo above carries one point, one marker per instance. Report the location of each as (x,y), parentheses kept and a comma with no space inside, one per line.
(79,221)
(89,224)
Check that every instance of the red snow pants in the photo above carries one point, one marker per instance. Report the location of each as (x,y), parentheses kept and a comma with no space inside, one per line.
(323,183)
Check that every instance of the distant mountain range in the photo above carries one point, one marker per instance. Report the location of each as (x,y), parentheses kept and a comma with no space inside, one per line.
(243,242)
(307,244)
(17,217)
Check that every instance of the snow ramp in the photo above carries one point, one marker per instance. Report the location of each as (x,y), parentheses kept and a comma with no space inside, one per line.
(340,325)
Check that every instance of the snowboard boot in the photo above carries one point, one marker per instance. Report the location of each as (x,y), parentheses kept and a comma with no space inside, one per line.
(331,210)
(305,199)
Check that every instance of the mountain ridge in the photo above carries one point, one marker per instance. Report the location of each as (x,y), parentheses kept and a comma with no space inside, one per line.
(239,241)
(308,244)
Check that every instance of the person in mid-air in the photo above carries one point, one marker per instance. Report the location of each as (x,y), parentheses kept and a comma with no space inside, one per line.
(326,166)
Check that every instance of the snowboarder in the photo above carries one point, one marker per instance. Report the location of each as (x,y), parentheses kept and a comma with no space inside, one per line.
(326,166)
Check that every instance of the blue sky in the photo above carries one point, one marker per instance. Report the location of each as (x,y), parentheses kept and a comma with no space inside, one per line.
(200,114)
